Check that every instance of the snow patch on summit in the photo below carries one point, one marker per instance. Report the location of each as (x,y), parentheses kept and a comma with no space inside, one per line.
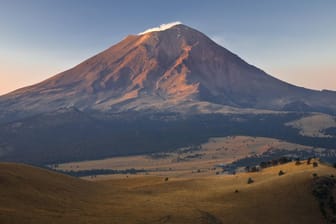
(161,27)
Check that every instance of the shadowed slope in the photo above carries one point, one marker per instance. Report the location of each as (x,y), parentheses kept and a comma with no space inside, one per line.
(33,195)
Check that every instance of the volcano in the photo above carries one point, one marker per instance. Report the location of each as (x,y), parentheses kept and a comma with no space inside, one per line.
(178,68)
(153,92)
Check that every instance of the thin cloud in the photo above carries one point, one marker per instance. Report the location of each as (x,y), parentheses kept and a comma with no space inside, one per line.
(161,27)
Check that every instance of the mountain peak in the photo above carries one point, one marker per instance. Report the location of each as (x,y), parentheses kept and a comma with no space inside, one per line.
(162,27)
(161,68)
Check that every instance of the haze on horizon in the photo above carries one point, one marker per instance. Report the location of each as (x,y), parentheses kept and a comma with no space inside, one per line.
(293,41)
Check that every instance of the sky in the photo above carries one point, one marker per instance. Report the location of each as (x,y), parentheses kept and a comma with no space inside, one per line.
(292,40)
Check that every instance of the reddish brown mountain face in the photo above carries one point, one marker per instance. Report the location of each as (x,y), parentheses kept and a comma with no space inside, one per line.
(88,113)
(175,68)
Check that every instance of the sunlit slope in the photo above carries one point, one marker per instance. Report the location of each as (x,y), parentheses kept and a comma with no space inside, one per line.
(31,195)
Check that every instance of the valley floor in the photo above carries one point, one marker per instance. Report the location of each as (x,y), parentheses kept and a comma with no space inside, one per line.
(197,161)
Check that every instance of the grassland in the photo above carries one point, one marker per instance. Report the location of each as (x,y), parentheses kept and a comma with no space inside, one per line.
(186,162)
(314,125)
(33,195)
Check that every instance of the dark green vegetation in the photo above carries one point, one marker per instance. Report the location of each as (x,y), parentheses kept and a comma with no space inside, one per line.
(94,172)
(72,135)
(324,191)
(331,131)
(274,157)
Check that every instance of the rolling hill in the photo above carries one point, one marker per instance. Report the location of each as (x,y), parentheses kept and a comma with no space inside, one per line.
(34,195)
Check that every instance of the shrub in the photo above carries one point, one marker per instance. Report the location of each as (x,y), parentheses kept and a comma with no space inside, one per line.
(284,160)
(274,162)
(263,165)
(315,164)
(254,169)
(166,179)
(250,180)
(281,173)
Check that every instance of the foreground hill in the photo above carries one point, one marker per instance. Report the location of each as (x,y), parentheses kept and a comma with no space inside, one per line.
(33,195)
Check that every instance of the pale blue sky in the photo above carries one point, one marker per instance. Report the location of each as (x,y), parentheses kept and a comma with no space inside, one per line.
(292,40)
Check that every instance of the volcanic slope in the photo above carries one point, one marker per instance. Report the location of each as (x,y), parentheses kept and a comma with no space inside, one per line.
(177,69)
(34,195)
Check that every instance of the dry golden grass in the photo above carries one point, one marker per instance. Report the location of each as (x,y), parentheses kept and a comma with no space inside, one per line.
(185,163)
(32,195)
(313,125)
